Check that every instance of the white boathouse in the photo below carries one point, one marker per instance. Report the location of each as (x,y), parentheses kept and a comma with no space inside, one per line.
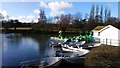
(109,35)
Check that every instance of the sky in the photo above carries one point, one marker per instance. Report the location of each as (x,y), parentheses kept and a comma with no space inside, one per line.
(26,11)
(60,0)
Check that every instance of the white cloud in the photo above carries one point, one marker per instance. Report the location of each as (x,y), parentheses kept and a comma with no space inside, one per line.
(59,5)
(36,11)
(56,7)
(13,18)
(43,4)
(30,17)
(26,19)
(35,20)
(20,17)
(4,13)
(17,17)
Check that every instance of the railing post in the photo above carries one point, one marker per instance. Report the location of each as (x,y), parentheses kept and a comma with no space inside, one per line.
(99,40)
(103,41)
(110,42)
(106,41)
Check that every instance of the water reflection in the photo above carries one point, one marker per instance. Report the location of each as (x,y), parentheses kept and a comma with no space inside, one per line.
(24,48)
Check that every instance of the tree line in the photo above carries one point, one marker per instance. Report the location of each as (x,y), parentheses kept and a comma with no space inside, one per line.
(97,17)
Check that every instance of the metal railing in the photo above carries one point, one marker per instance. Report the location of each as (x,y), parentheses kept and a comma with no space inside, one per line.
(107,41)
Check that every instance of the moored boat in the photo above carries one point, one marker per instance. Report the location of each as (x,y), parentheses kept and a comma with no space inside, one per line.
(78,50)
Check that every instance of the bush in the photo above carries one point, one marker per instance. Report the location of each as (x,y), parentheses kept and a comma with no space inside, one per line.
(105,56)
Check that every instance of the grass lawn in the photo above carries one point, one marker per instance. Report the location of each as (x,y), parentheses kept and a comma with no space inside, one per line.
(23,28)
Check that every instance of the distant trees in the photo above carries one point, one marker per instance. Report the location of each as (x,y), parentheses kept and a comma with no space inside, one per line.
(97,10)
(17,23)
(50,20)
(100,19)
(91,22)
(78,24)
(97,17)
(109,13)
(86,16)
(1,16)
(91,18)
(112,20)
(101,13)
(105,14)
(90,25)
(79,21)
(77,16)
(42,18)
(64,21)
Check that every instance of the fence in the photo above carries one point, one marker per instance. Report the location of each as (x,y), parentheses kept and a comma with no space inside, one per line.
(107,41)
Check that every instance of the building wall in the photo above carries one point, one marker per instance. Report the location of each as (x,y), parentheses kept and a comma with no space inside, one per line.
(119,36)
(110,33)
(119,10)
(110,36)
(95,34)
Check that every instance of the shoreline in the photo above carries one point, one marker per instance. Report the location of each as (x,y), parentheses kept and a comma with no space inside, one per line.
(37,31)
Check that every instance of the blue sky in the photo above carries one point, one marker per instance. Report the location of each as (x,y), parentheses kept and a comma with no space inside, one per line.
(27,11)
(60,0)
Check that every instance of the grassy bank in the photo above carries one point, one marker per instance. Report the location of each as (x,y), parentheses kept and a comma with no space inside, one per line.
(39,30)
(105,56)
(18,28)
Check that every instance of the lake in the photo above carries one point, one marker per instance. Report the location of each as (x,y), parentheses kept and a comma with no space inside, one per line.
(24,47)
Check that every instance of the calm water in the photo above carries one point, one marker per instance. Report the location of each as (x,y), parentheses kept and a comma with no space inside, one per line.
(24,48)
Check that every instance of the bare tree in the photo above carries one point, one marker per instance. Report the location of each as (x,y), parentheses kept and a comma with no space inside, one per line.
(97,10)
(97,17)
(109,13)
(101,13)
(42,18)
(64,22)
(91,23)
(92,14)
(111,20)
(106,11)
(86,16)
(78,16)
(50,20)
(70,16)
(1,17)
